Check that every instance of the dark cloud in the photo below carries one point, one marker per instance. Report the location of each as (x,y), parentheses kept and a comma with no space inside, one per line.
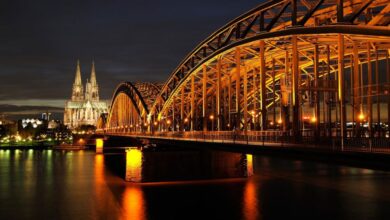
(134,40)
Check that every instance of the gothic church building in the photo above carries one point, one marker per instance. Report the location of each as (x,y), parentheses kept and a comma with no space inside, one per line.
(84,108)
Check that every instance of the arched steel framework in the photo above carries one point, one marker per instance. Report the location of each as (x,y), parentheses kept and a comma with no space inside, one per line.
(290,65)
(130,106)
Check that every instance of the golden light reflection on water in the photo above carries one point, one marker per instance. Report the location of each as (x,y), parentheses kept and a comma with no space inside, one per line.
(250,202)
(99,168)
(134,203)
(133,165)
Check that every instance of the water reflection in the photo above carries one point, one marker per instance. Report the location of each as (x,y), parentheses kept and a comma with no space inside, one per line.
(74,185)
(143,165)
(250,201)
(133,203)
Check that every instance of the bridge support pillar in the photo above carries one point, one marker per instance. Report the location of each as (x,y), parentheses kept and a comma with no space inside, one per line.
(341,89)
(204,98)
(218,112)
(369,95)
(317,92)
(182,109)
(263,89)
(295,88)
(356,89)
(238,86)
(192,102)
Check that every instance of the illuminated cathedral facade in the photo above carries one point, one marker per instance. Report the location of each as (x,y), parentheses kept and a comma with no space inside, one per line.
(84,108)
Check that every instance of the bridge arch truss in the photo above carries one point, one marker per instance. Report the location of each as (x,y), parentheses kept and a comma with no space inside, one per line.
(284,65)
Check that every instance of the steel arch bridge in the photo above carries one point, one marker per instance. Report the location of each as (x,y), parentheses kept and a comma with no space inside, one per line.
(303,67)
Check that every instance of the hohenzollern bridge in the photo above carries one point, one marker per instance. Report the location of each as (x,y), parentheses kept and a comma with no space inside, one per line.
(287,71)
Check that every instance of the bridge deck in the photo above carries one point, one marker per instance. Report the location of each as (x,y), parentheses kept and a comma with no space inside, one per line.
(270,139)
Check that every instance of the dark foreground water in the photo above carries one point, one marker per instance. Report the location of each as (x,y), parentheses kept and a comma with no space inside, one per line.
(190,184)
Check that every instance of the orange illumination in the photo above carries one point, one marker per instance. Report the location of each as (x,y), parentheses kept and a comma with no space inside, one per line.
(186,120)
(211,117)
(306,118)
(155,123)
(168,122)
(250,202)
(133,203)
(361,116)
(99,145)
(313,119)
(280,121)
(133,165)
(249,164)
(81,141)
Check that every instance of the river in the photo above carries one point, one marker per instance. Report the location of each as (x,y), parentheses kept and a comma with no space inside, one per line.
(185,184)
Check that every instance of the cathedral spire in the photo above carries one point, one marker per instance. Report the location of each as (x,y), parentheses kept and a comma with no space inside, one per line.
(77,91)
(93,74)
(77,80)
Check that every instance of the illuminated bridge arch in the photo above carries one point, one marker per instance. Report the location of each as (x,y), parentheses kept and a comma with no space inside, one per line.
(130,106)
(282,62)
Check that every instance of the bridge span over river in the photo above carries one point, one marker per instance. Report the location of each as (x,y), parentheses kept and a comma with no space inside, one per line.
(288,72)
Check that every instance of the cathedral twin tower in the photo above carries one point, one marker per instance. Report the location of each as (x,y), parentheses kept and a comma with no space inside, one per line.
(84,108)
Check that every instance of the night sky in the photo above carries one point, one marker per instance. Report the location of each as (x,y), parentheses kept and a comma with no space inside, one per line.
(130,40)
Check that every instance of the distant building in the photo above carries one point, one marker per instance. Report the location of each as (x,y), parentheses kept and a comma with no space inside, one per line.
(84,108)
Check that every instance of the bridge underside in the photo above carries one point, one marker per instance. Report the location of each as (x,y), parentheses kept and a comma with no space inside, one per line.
(318,72)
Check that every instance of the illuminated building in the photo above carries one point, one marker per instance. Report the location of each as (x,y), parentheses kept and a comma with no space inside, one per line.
(84,108)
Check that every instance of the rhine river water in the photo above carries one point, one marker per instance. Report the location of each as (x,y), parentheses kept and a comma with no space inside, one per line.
(185,184)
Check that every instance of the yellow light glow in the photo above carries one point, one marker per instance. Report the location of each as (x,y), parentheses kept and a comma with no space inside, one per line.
(361,116)
(280,121)
(313,119)
(133,203)
(99,145)
(211,117)
(133,165)
(249,164)
(168,122)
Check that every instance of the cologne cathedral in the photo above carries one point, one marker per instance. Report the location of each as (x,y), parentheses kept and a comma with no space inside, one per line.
(84,108)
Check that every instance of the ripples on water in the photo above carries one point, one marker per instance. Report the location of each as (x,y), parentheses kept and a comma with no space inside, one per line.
(190,184)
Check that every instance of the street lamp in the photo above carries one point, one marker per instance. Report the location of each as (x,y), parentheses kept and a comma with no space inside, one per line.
(211,117)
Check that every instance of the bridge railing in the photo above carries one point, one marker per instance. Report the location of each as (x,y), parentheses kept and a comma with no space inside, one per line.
(273,138)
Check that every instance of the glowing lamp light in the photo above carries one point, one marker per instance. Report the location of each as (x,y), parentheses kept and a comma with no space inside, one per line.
(313,119)
(361,116)
(305,117)
(99,145)
(280,121)
(168,122)
(155,123)
(211,117)
(186,120)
